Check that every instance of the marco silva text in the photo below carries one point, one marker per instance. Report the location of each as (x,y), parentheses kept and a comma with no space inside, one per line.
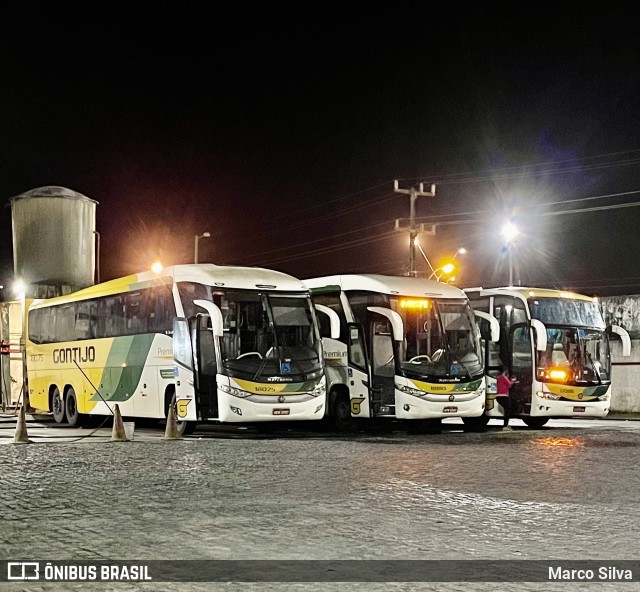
(601,574)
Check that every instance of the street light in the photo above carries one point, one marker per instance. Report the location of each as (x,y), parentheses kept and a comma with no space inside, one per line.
(510,232)
(195,245)
(446,269)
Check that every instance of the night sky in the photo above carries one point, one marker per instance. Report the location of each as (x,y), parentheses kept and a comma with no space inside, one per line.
(281,133)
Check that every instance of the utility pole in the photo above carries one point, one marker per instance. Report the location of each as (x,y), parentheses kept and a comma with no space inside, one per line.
(414,230)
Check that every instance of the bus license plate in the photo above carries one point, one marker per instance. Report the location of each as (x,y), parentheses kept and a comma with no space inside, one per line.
(449,410)
(579,409)
(281,412)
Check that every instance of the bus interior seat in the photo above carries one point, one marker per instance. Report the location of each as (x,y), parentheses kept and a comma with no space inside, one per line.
(558,357)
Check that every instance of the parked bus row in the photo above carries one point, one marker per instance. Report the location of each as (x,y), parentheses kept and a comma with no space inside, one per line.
(249,345)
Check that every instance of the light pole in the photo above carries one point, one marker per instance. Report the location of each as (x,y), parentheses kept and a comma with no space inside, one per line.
(509,232)
(195,244)
(417,244)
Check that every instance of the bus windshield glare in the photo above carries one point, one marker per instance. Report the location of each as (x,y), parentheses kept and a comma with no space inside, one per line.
(439,339)
(563,311)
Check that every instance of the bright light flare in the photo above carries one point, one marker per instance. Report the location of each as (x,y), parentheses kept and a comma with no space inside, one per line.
(510,231)
(19,288)
(448,268)
(157,267)
(558,374)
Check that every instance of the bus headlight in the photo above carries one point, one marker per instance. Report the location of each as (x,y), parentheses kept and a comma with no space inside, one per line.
(320,388)
(410,391)
(235,392)
(545,395)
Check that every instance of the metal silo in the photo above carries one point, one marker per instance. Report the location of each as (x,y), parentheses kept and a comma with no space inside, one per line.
(53,240)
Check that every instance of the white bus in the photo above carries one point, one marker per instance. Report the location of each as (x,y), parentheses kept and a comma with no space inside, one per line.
(246,348)
(408,348)
(556,344)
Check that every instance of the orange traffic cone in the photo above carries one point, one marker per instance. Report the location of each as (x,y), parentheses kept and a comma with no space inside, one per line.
(21,436)
(171,431)
(117,433)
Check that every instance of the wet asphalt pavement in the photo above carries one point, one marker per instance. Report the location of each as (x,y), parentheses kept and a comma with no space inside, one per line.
(568,491)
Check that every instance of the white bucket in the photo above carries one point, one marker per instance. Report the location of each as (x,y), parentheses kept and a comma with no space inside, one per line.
(129,427)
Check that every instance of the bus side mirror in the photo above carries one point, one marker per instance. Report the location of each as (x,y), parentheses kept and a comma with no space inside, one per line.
(489,330)
(541,334)
(217,324)
(626,340)
(334,319)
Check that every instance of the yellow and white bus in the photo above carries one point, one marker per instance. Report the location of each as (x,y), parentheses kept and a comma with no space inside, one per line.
(556,344)
(246,345)
(406,348)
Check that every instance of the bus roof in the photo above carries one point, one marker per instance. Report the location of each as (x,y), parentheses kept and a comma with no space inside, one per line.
(222,276)
(387,284)
(525,292)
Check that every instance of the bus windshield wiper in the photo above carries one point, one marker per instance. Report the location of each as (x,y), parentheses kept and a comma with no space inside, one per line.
(593,365)
(456,359)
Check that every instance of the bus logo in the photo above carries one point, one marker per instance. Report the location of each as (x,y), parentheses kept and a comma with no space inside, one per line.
(355,405)
(181,407)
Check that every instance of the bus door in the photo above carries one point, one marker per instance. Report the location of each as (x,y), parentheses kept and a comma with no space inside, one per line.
(184,371)
(206,367)
(383,368)
(359,374)
(521,367)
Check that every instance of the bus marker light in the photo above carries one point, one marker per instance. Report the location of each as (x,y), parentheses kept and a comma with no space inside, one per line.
(558,374)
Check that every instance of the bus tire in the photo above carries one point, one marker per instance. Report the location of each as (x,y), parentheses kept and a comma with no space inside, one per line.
(535,422)
(71,408)
(341,413)
(186,427)
(57,406)
(475,424)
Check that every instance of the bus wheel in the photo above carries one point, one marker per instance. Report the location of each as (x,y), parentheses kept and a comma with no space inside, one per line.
(57,406)
(186,427)
(341,414)
(71,408)
(535,422)
(475,424)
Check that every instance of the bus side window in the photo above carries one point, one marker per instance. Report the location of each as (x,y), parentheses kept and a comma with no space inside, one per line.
(82,325)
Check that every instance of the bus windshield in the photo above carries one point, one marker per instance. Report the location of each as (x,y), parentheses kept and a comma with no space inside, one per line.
(439,339)
(575,356)
(269,335)
(563,311)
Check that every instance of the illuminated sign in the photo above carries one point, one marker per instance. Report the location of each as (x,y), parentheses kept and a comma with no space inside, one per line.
(415,303)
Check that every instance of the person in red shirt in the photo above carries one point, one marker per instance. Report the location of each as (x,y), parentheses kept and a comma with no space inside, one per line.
(502,396)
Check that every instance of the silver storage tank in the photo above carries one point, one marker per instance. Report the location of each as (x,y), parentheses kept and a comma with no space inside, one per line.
(53,240)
